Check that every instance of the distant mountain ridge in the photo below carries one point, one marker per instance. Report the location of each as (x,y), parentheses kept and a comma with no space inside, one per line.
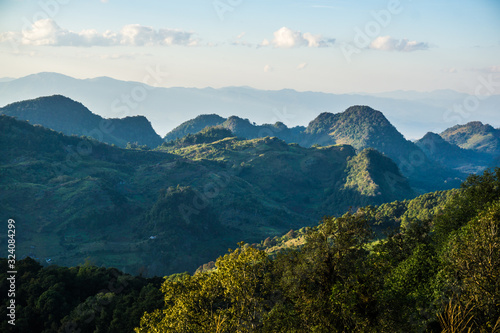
(359,126)
(414,114)
(476,136)
(73,118)
(453,156)
(176,207)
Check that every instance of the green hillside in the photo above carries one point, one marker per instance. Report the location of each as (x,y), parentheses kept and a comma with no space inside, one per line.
(194,126)
(360,127)
(452,156)
(476,136)
(425,264)
(177,207)
(420,271)
(437,273)
(239,126)
(72,118)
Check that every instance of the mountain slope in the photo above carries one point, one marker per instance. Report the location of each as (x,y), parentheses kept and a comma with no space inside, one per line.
(474,135)
(451,155)
(194,126)
(361,127)
(370,171)
(175,208)
(239,126)
(72,118)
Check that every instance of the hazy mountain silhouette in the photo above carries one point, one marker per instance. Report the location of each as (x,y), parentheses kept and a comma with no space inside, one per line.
(414,114)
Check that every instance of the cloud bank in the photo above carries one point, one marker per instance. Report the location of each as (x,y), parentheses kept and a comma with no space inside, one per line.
(288,38)
(387,43)
(47,32)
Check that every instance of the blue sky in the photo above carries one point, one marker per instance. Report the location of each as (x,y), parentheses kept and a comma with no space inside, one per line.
(317,45)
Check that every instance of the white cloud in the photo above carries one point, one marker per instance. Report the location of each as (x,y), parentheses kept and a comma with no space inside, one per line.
(287,38)
(387,43)
(135,34)
(268,69)
(302,66)
(47,32)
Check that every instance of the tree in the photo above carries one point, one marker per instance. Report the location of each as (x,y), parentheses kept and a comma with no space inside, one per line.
(472,268)
(327,285)
(231,298)
(476,193)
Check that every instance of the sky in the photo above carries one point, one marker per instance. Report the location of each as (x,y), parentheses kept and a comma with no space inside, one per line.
(333,46)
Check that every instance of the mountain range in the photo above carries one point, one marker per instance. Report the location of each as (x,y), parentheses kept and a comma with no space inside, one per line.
(72,118)
(170,210)
(425,162)
(413,113)
(212,182)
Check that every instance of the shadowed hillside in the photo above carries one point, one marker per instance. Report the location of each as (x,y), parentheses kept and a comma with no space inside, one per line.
(72,118)
(175,208)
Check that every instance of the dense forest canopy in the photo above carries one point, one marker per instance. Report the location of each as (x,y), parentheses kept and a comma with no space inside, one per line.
(395,262)
(435,268)
(436,273)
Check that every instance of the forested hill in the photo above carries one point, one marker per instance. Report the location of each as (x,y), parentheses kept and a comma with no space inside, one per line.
(436,271)
(177,207)
(476,136)
(72,118)
(453,156)
(359,126)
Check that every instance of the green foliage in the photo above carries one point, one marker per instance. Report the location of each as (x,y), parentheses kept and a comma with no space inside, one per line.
(477,192)
(401,214)
(62,114)
(229,299)
(135,145)
(338,280)
(296,292)
(372,174)
(475,136)
(207,135)
(471,262)
(84,298)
